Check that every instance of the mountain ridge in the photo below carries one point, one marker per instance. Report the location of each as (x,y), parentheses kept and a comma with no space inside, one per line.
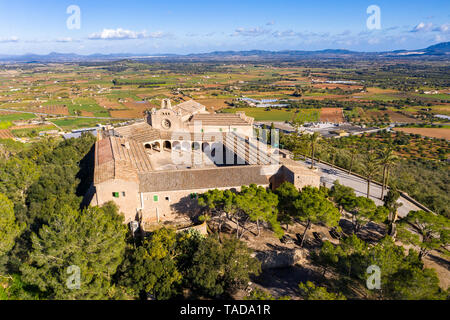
(438,50)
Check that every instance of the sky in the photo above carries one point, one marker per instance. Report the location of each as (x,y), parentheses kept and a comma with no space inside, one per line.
(191,26)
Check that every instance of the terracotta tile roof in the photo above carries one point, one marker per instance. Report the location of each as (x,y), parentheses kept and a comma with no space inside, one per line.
(119,158)
(140,132)
(190,179)
(220,119)
(297,167)
(189,108)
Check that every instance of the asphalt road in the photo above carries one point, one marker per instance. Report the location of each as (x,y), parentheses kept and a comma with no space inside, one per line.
(330,175)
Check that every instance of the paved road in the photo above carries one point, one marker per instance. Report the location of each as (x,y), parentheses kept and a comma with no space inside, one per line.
(330,175)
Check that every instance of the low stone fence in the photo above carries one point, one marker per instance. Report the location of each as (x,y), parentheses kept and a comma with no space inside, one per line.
(202,229)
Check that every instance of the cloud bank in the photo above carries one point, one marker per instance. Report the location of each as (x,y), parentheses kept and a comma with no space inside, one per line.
(123,34)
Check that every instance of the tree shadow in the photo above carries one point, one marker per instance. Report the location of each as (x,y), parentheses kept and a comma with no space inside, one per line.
(85,188)
(372,232)
(439,260)
(187,207)
(284,281)
(346,226)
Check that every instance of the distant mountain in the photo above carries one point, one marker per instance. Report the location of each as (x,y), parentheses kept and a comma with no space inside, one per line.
(71,57)
(437,50)
(440,48)
(440,51)
(264,53)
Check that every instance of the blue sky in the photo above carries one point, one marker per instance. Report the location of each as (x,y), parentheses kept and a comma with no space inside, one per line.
(133,26)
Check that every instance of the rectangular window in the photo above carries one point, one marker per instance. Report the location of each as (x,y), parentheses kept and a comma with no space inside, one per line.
(123,194)
(167,198)
(115,194)
(155,198)
(193,195)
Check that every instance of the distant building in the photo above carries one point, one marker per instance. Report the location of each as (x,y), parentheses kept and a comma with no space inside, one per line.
(49,133)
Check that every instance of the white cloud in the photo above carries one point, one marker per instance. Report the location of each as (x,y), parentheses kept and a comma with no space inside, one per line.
(251,32)
(270,23)
(123,34)
(116,34)
(443,28)
(157,34)
(286,34)
(10,39)
(442,38)
(422,26)
(68,39)
(344,33)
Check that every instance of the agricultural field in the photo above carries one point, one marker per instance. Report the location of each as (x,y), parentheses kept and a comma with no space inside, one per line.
(335,115)
(78,123)
(6,134)
(439,133)
(30,131)
(361,115)
(9,116)
(78,106)
(314,91)
(261,114)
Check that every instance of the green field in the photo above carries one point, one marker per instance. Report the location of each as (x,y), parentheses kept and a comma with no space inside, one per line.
(123,94)
(382,97)
(441,96)
(6,120)
(31,132)
(77,123)
(16,116)
(81,104)
(260,114)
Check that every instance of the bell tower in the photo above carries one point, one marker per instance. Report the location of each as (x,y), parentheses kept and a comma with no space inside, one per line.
(166,118)
(166,104)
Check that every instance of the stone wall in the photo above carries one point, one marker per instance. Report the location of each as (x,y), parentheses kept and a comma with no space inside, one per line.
(299,180)
(160,206)
(128,203)
(172,204)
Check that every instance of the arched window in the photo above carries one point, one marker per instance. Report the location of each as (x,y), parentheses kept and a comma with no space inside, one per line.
(195,146)
(205,145)
(176,145)
(156,146)
(167,145)
(186,146)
